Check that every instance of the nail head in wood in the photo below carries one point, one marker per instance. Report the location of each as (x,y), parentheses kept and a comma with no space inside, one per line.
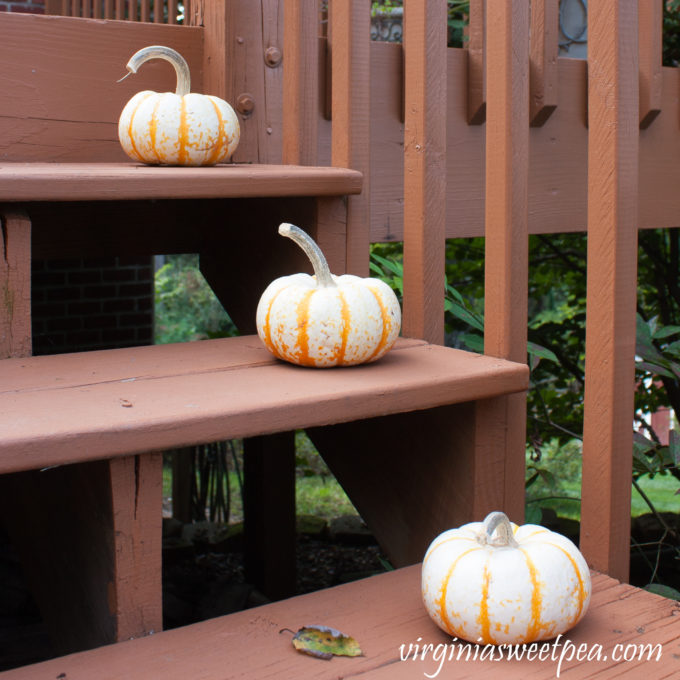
(272,56)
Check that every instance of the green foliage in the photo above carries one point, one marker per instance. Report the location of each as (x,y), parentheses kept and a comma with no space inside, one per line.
(186,309)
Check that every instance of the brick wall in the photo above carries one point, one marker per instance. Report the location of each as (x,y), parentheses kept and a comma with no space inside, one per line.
(32,6)
(81,304)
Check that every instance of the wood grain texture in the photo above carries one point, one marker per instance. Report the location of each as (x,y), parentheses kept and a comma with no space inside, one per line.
(301,82)
(427,454)
(424,169)
(557,190)
(134,594)
(65,107)
(502,431)
(250,645)
(650,38)
(126,181)
(476,65)
(15,283)
(611,290)
(507,181)
(73,407)
(350,102)
(543,55)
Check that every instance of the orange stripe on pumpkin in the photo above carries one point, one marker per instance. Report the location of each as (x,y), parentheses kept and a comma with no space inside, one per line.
(386,324)
(441,603)
(581,587)
(303,330)
(135,150)
(183,133)
(483,618)
(153,130)
(267,329)
(218,149)
(346,321)
(535,625)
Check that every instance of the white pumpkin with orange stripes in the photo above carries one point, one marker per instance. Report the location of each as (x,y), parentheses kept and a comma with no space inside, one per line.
(180,128)
(326,320)
(494,582)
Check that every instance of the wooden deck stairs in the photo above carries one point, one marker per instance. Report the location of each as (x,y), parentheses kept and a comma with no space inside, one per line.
(427,438)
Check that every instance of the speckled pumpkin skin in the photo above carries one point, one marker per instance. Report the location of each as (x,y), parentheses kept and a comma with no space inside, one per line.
(505,595)
(169,129)
(353,323)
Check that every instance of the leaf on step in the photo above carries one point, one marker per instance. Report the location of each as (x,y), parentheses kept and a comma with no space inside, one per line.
(324,642)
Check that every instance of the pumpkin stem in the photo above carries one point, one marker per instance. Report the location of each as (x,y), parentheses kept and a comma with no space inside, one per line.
(167,53)
(497,531)
(313,252)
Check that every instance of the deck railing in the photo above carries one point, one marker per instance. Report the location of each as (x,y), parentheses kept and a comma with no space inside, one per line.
(157,11)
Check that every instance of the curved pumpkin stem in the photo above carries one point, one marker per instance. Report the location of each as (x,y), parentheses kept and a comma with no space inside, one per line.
(167,53)
(313,252)
(497,531)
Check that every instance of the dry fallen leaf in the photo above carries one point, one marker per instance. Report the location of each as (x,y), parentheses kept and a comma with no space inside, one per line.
(324,642)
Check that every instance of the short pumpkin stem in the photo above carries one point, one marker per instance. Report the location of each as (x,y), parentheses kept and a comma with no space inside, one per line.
(313,252)
(167,53)
(497,531)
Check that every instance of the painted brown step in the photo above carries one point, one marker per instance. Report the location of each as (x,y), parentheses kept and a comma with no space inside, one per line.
(126,181)
(75,407)
(382,613)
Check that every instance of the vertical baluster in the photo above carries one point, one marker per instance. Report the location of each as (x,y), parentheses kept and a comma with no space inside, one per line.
(350,104)
(172,11)
(651,50)
(120,9)
(543,54)
(476,63)
(158,11)
(97,9)
(501,429)
(146,10)
(132,10)
(301,82)
(424,168)
(187,12)
(613,120)
(108,9)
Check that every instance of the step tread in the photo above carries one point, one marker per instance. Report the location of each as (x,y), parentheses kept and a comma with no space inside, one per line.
(382,613)
(120,181)
(73,407)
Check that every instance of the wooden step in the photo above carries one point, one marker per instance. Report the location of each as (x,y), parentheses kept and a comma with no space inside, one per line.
(75,407)
(121,181)
(382,613)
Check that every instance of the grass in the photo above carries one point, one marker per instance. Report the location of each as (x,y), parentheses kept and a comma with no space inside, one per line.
(560,487)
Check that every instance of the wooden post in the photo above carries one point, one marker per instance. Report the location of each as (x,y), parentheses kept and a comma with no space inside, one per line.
(501,421)
(477,63)
(15,283)
(544,48)
(234,69)
(650,36)
(269,513)
(425,170)
(350,55)
(613,114)
(300,82)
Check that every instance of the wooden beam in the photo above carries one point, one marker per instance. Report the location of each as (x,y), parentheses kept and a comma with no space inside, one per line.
(501,430)
(476,71)
(611,292)
(650,36)
(15,283)
(424,169)
(300,82)
(350,137)
(543,55)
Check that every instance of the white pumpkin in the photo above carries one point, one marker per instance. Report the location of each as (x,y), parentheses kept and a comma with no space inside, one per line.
(326,320)
(494,582)
(181,128)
